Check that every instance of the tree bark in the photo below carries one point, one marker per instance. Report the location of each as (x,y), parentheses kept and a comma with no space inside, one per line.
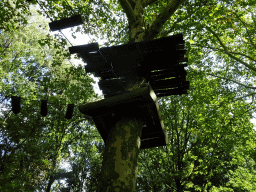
(119,167)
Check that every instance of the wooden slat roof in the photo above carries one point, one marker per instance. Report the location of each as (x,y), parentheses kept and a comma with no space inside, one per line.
(157,61)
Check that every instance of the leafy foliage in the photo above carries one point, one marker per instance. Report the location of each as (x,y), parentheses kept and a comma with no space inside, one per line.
(34,67)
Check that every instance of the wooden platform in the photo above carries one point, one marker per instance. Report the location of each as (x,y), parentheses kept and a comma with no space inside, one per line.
(141,103)
(161,62)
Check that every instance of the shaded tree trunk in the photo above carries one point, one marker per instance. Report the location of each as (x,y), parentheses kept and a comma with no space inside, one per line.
(119,167)
(179,187)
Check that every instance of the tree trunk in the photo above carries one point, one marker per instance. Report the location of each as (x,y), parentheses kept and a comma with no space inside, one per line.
(179,187)
(119,167)
(120,156)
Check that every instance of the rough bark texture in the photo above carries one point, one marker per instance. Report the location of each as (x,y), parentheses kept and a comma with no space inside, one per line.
(119,167)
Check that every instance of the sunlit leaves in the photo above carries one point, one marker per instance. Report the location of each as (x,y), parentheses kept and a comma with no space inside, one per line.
(204,128)
(34,66)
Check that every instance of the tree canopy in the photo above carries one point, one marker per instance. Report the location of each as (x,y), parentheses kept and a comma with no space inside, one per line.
(211,138)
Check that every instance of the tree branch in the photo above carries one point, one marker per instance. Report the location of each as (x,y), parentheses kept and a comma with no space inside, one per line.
(128,10)
(222,50)
(189,13)
(227,52)
(132,3)
(157,25)
(232,81)
(145,3)
(165,33)
(244,24)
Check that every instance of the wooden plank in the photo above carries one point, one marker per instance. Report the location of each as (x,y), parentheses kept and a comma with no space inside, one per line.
(123,57)
(84,48)
(174,68)
(66,23)
(152,142)
(162,44)
(175,91)
(153,61)
(168,83)
(141,95)
(118,63)
(44,108)
(172,92)
(185,59)
(108,95)
(109,74)
(86,58)
(113,85)
(112,90)
(163,59)
(90,69)
(167,74)
(166,43)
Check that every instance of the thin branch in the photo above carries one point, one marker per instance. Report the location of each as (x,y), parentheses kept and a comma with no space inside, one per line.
(249,36)
(132,3)
(145,3)
(232,81)
(242,54)
(158,23)
(165,33)
(128,10)
(227,52)
(222,50)
(244,96)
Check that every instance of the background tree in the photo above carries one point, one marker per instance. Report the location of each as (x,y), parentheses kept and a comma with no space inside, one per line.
(34,67)
(210,136)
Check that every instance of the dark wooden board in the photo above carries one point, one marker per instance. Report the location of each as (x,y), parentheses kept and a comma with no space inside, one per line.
(66,23)
(110,74)
(143,95)
(175,91)
(170,43)
(168,83)
(154,61)
(167,74)
(108,95)
(173,71)
(115,85)
(113,88)
(174,68)
(92,47)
